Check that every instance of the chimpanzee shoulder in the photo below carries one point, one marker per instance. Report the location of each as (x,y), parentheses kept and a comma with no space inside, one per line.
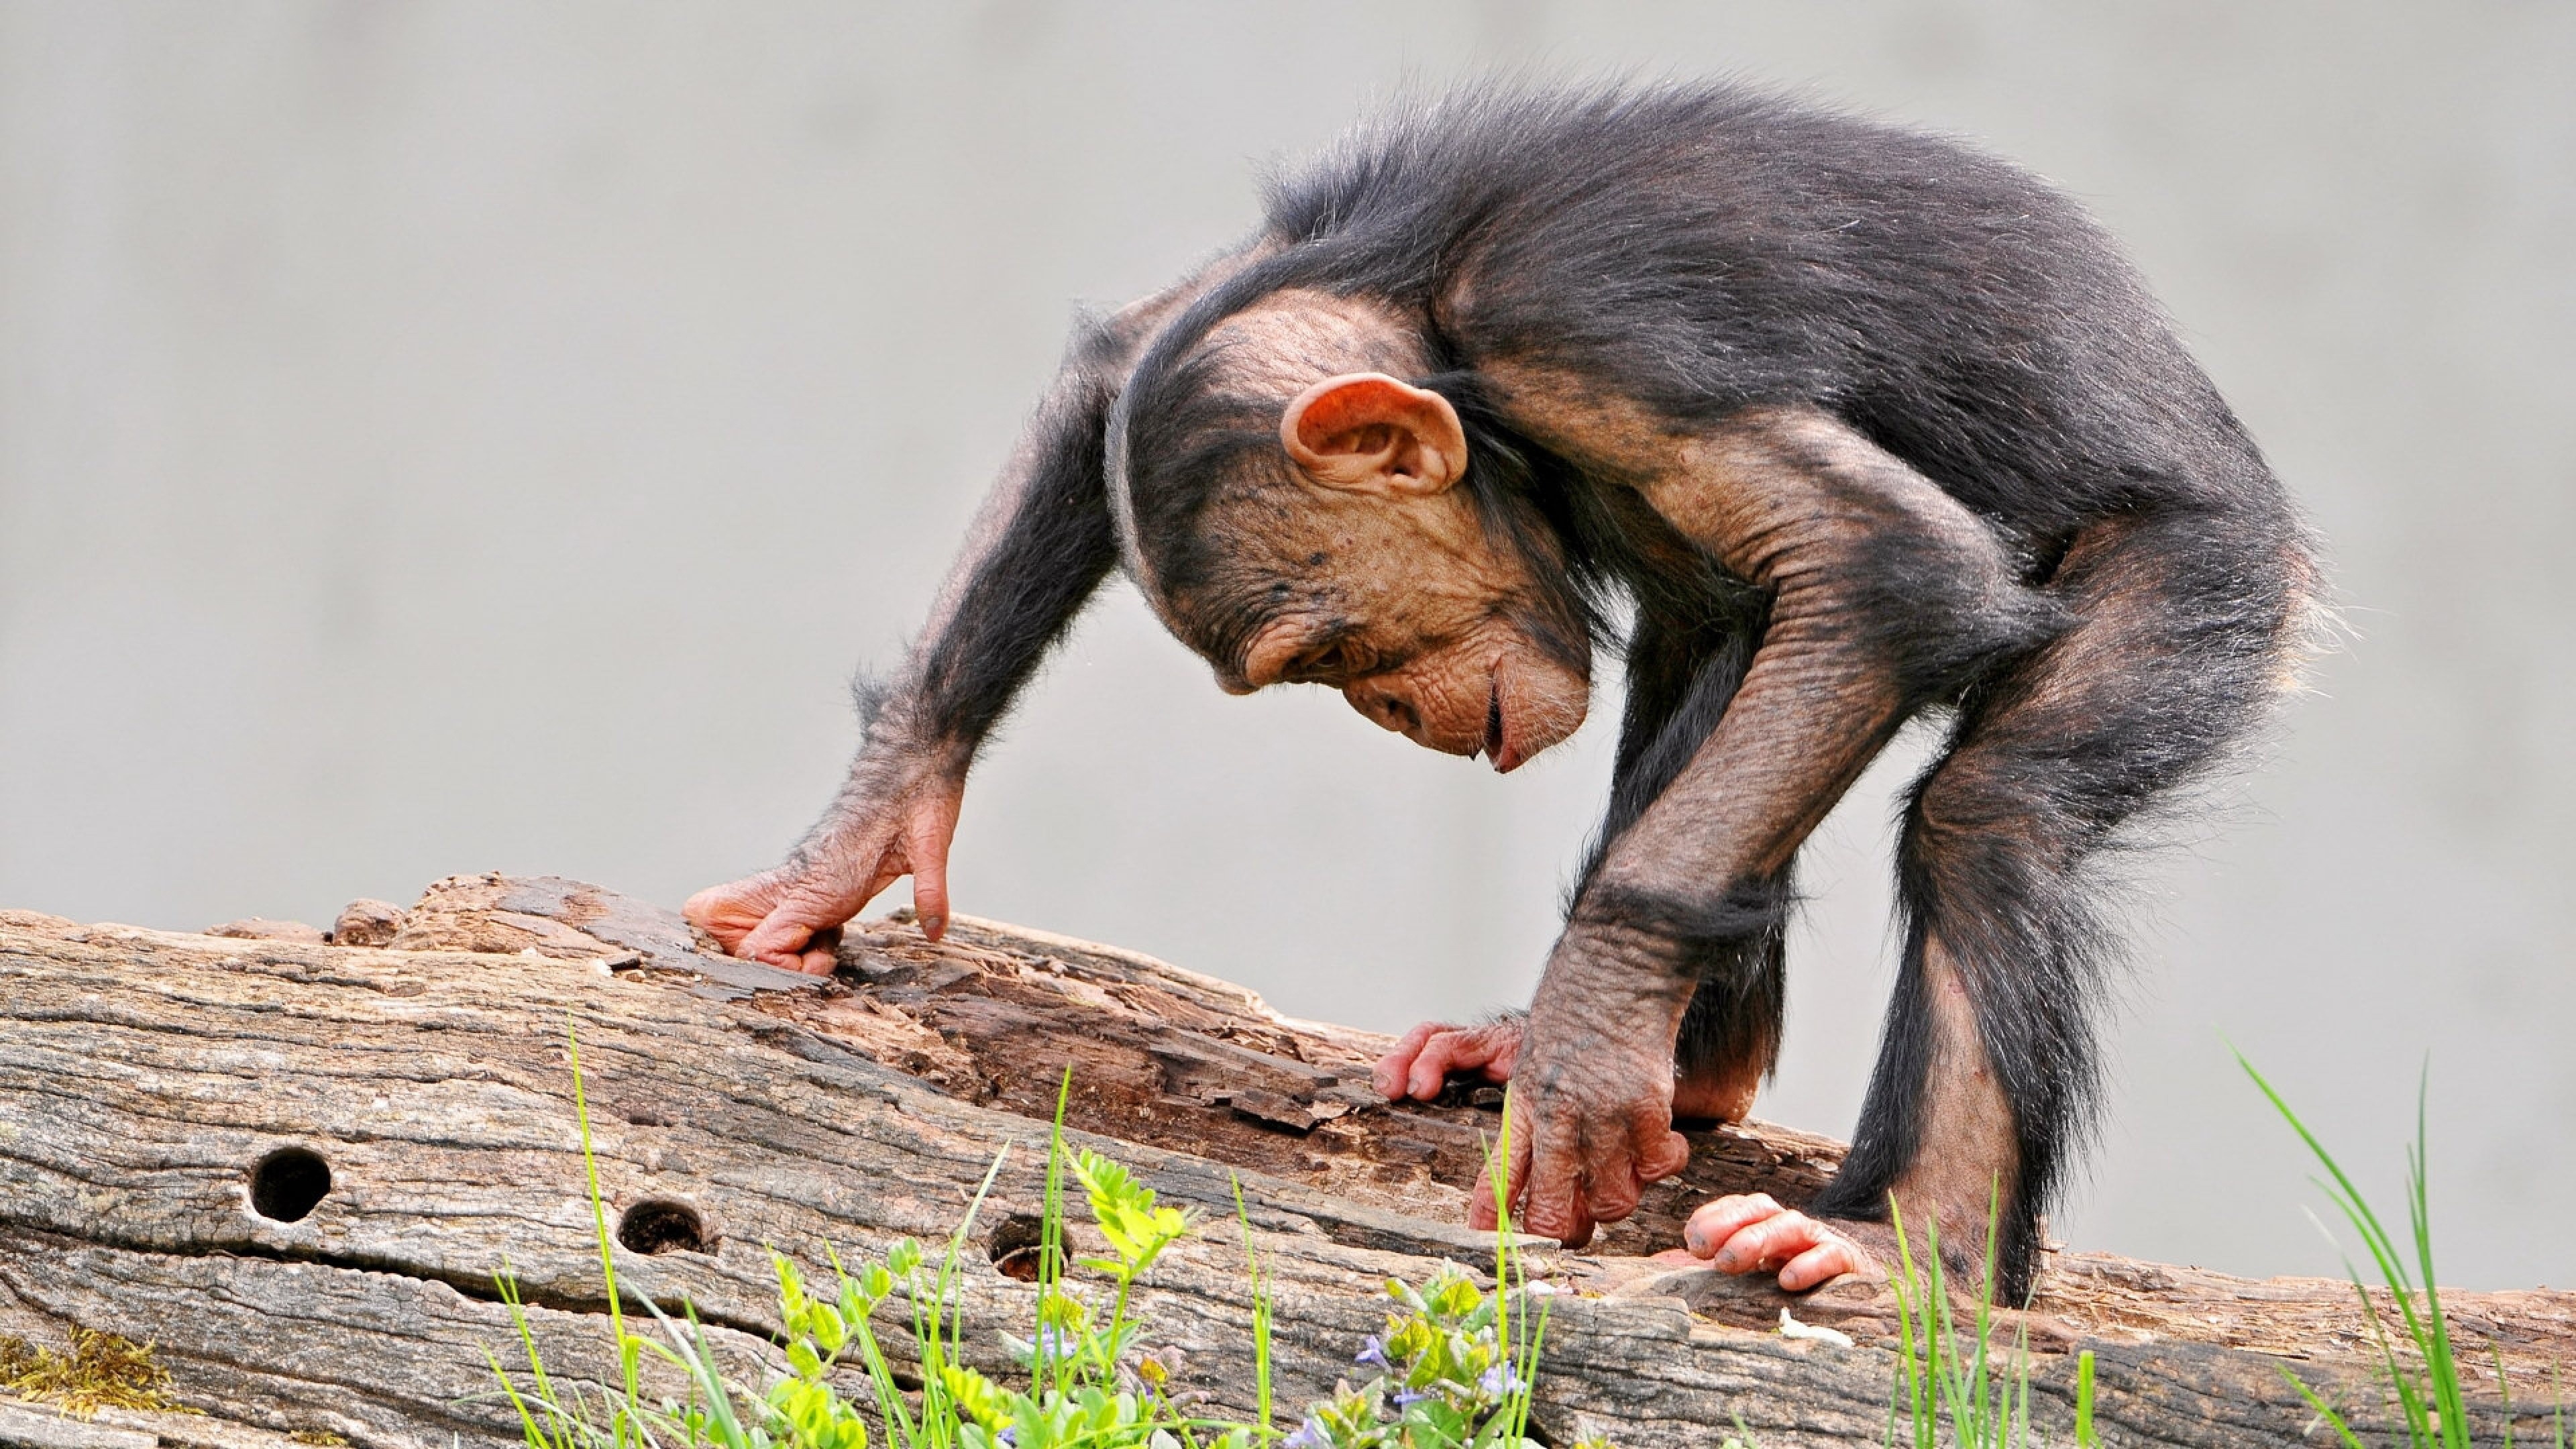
(1710,246)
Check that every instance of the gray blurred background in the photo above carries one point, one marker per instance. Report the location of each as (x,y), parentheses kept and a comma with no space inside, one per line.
(445,437)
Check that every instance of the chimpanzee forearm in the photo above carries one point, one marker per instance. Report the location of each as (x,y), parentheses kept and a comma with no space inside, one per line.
(1040,547)
(1886,594)
(1038,550)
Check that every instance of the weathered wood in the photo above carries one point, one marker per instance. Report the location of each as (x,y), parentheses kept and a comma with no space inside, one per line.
(144,1076)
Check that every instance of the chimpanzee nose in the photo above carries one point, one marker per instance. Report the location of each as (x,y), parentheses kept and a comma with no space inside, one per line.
(1390,710)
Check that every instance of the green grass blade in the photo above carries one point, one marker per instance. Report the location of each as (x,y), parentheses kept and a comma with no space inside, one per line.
(626,1359)
(1046,1369)
(2440,1364)
(2324,1410)
(2350,1200)
(2084,1435)
(1260,1315)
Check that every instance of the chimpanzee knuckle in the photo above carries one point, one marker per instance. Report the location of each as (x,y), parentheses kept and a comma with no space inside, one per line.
(1665,1155)
(1613,1201)
(1767,1243)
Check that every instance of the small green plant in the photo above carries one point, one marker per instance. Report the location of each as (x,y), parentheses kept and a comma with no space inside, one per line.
(2431,1393)
(1454,1367)
(1944,1376)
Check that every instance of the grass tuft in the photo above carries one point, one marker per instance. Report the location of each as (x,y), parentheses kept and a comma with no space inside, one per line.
(1944,1377)
(2431,1388)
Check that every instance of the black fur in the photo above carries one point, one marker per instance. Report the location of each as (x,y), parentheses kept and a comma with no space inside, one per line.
(1051,555)
(1700,250)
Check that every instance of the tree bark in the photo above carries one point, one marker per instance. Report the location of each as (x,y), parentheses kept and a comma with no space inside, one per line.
(147,1077)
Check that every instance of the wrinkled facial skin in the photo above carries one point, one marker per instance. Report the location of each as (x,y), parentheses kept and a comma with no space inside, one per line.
(1410,608)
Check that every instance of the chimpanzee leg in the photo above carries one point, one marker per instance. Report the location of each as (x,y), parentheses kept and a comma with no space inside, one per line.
(1988,1065)
(1730,1036)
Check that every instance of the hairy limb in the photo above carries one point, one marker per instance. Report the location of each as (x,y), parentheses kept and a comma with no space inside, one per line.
(1710,1086)
(1680,678)
(1039,549)
(1680,682)
(1988,1063)
(1884,593)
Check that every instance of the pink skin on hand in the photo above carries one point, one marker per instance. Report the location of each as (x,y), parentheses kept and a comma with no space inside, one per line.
(1754,1234)
(1429,1053)
(791,917)
(1575,1165)
(1562,1191)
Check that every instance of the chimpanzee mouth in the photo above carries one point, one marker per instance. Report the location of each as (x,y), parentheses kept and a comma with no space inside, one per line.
(1494,725)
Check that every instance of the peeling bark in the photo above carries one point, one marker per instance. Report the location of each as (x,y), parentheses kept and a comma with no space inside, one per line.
(146,1076)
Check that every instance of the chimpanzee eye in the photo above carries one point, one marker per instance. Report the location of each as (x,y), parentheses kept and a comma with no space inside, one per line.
(1321,662)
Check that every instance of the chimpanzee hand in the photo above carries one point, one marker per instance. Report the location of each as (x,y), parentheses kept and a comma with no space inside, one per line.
(1752,1233)
(1422,1062)
(1592,1103)
(792,916)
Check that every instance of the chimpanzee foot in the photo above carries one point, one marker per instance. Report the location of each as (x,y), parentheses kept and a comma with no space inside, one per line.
(1726,1097)
(1754,1234)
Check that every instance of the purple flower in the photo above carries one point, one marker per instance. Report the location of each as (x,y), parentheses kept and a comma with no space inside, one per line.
(1309,1435)
(1009,1437)
(1373,1351)
(1500,1382)
(1407,1398)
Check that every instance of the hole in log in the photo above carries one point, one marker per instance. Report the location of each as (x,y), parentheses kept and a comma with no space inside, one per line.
(288,1184)
(659,1225)
(1016,1247)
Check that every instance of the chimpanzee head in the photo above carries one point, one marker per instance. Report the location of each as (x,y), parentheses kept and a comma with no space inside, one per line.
(1298,513)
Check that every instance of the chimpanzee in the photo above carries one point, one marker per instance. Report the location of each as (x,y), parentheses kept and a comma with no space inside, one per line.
(1818,423)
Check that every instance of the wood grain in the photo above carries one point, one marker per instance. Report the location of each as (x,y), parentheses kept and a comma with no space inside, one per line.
(144,1076)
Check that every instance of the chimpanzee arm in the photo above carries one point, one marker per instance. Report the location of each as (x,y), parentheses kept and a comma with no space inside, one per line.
(1039,549)
(1885,594)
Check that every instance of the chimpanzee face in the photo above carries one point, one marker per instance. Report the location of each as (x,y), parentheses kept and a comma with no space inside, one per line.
(1372,574)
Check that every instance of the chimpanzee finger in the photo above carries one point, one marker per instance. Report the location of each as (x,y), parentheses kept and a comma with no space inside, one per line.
(1445,1052)
(822,953)
(1395,1069)
(1832,1258)
(1555,1202)
(1766,1245)
(1717,1220)
(731,911)
(925,845)
(1487,1050)
(1665,1152)
(778,940)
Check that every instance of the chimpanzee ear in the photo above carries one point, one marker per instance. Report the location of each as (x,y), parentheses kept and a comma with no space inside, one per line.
(1372,433)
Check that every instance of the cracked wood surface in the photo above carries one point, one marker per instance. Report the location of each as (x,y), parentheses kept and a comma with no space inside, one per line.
(143,1075)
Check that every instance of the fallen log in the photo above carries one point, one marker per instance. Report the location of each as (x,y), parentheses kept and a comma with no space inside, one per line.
(295,1167)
